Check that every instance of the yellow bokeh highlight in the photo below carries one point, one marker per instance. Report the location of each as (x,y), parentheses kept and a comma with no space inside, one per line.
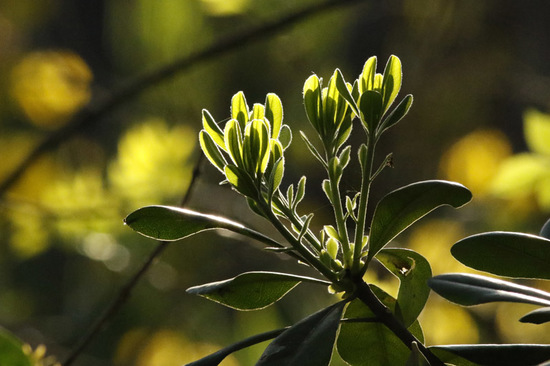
(153,164)
(50,86)
(474,159)
(225,7)
(163,348)
(536,126)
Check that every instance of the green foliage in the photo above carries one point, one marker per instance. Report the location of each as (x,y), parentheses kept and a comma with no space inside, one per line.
(368,326)
(11,350)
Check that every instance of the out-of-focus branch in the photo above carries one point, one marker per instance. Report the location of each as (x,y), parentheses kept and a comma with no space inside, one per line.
(100,106)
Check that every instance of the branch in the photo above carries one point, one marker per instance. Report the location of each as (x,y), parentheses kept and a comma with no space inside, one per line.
(100,106)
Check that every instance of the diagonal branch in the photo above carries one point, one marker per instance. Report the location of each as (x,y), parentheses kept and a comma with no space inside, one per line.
(100,106)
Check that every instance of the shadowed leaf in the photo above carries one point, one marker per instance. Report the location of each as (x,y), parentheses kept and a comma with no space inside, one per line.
(496,354)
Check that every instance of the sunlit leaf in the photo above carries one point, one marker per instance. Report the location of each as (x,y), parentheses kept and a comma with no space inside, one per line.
(233,141)
(276,175)
(391,83)
(344,91)
(251,290)
(370,107)
(364,341)
(255,146)
(413,271)
(397,114)
(212,128)
(506,254)
(313,102)
(497,354)
(239,109)
(210,150)
(366,79)
(216,358)
(258,112)
(469,289)
(300,192)
(308,342)
(173,223)
(402,207)
(285,136)
(344,131)
(274,113)
(313,150)
(241,181)
(11,350)
(538,316)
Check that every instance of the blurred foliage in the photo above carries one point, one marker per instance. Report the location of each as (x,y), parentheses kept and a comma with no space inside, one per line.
(481,81)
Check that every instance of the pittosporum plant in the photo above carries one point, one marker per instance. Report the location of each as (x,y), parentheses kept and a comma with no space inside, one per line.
(368,326)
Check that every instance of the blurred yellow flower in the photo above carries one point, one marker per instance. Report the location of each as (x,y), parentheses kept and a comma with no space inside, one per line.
(50,86)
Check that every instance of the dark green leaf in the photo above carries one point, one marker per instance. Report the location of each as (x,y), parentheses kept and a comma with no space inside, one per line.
(239,109)
(498,354)
(212,128)
(11,351)
(469,289)
(397,114)
(413,271)
(363,341)
(391,83)
(538,316)
(251,290)
(370,106)
(216,358)
(404,206)
(210,150)
(274,113)
(506,254)
(241,181)
(416,358)
(172,223)
(307,343)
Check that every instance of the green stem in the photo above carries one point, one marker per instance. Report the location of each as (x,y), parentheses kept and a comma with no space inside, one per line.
(366,182)
(340,221)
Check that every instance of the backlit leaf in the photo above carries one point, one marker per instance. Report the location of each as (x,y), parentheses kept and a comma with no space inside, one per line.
(251,290)
(538,316)
(312,101)
(469,289)
(506,254)
(342,87)
(308,342)
(233,141)
(274,113)
(370,107)
(212,128)
(366,79)
(404,206)
(397,114)
(239,109)
(391,83)
(210,150)
(241,181)
(258,111)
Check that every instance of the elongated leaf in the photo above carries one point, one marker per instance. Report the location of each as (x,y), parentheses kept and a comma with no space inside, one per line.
(366,79)
(251,290)
(216,358)
(363,341)
(239,109)
(307,343)
(258,111)
(313,150)
(241,181)
(233,141)
(413,271)
(370,107)
(342,87)
(506,254)
(397,114)
(285,136)
(274,113)
(469,289)
(391,83)
(11,350)
(313,101)
(210,150)
(404,206)
(212,128)
(344,131)
(255,146)
(538,316)
(173,223)
(498,354)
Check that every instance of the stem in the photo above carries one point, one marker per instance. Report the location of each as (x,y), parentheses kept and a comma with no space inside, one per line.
(340,221)
(366,182)
(385,316)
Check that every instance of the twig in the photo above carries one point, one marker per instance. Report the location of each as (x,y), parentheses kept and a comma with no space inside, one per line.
(126,290)
(100,106)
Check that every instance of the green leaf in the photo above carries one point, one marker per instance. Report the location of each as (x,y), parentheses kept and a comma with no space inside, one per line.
(344,91)
(233,141)
(397,114)
(538,316)
(391,83)
(345,157)
(498,354)
(469,289)
(313,101)
(413,271)
(506,254)
(212,128)
(239,109)
(416,358)
(258,112)
(241,181)
(370,106)
(366,79)
(256,146)
(285,136)
(344,131)
(210,150)
(11,350)
(276,175)
(274,113)
(307,343)
(300,192)
(363,341)
(216,358)
(313,150)
(404,206)
(334,108)
(251,290)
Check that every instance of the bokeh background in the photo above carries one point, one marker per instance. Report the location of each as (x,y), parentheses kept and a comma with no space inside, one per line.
(480,75)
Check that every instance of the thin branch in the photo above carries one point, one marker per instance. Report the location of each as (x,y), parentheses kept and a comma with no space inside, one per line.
(100,106)
(126,290)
